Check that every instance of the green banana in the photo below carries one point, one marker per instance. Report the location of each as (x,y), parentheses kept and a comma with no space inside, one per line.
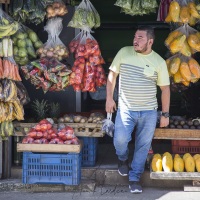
(5,27)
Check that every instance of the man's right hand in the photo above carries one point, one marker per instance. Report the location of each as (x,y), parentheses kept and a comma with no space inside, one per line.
(110,106)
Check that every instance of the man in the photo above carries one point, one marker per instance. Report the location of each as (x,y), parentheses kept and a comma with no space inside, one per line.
(140,70)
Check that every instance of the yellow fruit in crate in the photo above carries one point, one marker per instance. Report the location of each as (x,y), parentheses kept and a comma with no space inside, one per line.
(185,71)
(197,164)
(176,156)
(196,156)
(178,164)
(186,155)
(174,11)
(194,41)
(156,164)
(177,44)
(194,67)
(186,50)
(189,164)
(157,155)
(172,36)
(174,65)
(184,14)
(167,163)
(193,10)
(177,77)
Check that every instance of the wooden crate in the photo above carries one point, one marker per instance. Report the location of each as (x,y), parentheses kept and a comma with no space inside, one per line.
(55,148)
(80,129)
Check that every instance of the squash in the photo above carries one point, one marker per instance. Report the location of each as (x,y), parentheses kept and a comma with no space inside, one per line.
(171,37)
(177,44)
(174,65)
(186,155)
(178,164)
(157,155)
(189,164)
(174,11)
(196,156)
(176,156)
(184,14)
(156,164)
(167,163)
(185,71)
(194,67)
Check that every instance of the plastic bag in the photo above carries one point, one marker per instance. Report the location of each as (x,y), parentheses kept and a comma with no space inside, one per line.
(85,16)
(108,126)
(54,47)
(22,93)
(127,4)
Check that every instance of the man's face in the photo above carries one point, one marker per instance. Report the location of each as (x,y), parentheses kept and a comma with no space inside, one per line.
(141,43)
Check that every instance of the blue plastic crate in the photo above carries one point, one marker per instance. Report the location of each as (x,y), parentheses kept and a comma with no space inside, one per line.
(89,151)
(51,168)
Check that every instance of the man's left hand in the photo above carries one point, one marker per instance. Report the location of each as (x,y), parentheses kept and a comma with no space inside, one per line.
(164,122)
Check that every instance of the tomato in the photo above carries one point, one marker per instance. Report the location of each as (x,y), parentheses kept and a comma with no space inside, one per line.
(37,127)
(43,127)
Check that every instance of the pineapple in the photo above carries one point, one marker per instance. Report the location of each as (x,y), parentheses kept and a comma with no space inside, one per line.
(54,110)
(40,109)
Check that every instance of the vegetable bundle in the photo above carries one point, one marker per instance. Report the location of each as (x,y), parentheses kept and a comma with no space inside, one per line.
(48,74)
(87,71)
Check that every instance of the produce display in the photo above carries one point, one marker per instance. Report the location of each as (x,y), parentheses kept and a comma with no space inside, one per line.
(183,12)
(30,11)
(45,133)
(184,40)
(87,71)
(54,46)
(57,8)
(47,73)
(183,123)
(137,7)
(184,70)
(178,163)
(93,118)
(85,15)
(26,43)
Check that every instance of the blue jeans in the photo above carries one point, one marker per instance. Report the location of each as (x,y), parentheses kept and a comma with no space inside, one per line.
(145,123)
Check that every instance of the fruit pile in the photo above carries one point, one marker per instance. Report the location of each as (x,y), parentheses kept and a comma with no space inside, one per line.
(178,163)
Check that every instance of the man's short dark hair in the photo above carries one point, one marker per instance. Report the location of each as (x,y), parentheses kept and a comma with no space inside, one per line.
(149,30)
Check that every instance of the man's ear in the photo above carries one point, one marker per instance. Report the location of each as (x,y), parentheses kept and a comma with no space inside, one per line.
(150,41)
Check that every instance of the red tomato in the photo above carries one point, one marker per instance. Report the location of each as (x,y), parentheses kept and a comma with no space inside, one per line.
(37,127)
(43,127)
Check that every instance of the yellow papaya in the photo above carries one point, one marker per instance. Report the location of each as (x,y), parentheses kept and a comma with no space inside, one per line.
(168,19)
(185,71)
(176,156)
(177,77)
(167,154)
(186,50)
(156,164)
(172,36)
(189,164)
(167,163)
(177,44)
(197,164)
(194,41)
(174,65)
(184,14)
(186,155)
(193,10)
(178,164)
(157,155)
(196,156)
(174,11)
(194,67)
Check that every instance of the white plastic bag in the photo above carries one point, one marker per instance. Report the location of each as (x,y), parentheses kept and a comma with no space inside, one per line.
(108,126)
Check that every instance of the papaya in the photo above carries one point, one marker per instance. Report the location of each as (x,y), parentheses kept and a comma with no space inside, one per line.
(156,164)
(174,65)
(189,164)
(186,50)
(176,156)
(178,164)
(177,44)
(194,67)
(197,164)
(194,41)
(172,36)
(196,156)
(174,11)
(167,163)
(157,155)
(186,155)
(168,19)
(177,77)
(193,10)
(185,71)
(184,14)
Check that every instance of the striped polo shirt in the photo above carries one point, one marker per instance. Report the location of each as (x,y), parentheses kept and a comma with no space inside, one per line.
(138,77)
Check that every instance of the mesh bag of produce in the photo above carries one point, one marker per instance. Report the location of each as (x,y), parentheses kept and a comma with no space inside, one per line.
(57,8)
(108,126)
(85,16)
(54,47)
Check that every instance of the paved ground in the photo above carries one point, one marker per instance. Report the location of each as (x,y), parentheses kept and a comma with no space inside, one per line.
(106,192)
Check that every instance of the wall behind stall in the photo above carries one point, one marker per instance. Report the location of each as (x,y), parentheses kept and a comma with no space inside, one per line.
(66,98)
